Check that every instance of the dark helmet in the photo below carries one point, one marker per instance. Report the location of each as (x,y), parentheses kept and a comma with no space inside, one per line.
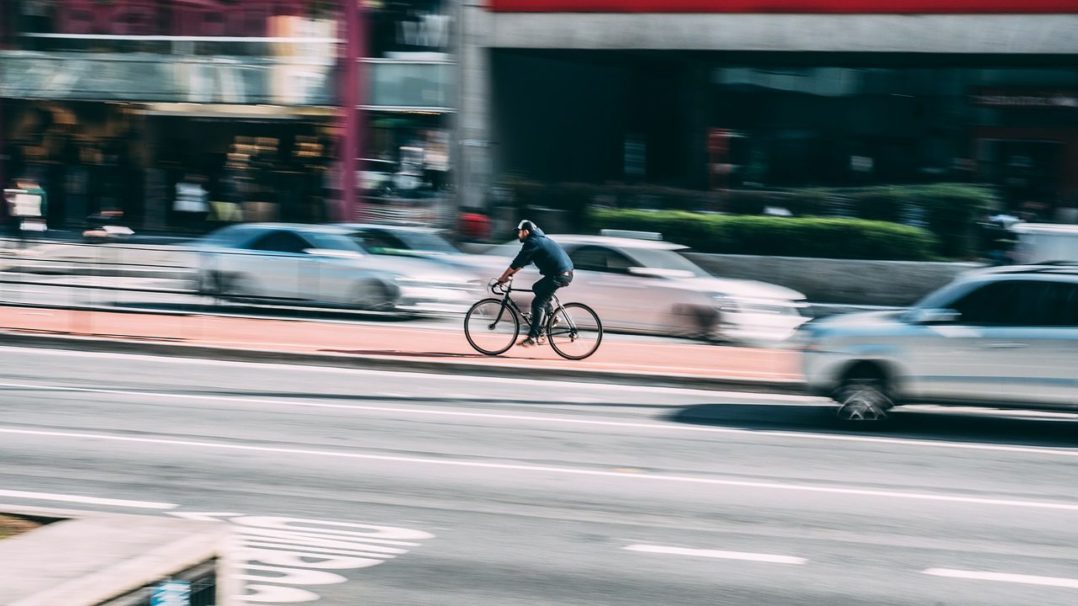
(526,224)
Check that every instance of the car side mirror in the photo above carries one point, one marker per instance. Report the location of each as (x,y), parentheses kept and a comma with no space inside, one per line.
(933,316)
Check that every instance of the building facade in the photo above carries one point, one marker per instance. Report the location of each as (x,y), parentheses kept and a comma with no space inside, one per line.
(770,94)
(112,103)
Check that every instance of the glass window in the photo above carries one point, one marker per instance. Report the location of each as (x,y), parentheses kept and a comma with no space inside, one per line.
(333,242)
(379,242)
(597,258)
(280,242)
(994,304)
(1052,304)
(1021,303)
(666,259)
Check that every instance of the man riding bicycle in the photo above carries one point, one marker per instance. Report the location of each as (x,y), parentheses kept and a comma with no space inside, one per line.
(552,262)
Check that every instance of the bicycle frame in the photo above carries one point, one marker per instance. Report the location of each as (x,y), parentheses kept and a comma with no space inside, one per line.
(507,301)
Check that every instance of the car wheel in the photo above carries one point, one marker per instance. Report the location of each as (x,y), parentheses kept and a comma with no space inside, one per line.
(209,284)
(376,296)
(698,323)
(233,286)
(862,397)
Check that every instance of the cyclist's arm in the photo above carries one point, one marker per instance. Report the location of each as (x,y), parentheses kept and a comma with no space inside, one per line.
(508,273)
(523,258)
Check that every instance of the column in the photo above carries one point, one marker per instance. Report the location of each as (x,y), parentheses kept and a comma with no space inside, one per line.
(471,144)
(352,94)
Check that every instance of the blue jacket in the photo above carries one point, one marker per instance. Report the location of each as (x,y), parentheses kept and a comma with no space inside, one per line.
(547,255)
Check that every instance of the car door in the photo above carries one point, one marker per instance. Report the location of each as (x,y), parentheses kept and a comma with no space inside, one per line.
(998,351)
(602,280)
(274,265)
(1048,373)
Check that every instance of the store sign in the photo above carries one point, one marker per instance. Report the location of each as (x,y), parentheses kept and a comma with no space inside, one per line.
(1021,99)
(786,6)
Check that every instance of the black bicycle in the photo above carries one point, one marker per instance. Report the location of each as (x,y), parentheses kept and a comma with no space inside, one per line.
(493,325)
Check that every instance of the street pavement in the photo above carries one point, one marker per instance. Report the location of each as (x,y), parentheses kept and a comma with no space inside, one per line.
(354,487)
(404,345)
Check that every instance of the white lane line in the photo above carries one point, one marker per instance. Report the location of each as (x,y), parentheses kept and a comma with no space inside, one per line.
(575,471)
(438,378)
(723,555)
(362,408)
(1002,577)
(70,498)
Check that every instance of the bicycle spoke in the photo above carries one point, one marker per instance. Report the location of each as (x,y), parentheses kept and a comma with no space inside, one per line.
(490,329)
(575,331)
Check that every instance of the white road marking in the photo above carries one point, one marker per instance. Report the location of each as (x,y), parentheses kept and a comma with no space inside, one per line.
(1002,577)
(712,553)
(70,498)
(362,408)
(439,378)
(623,475)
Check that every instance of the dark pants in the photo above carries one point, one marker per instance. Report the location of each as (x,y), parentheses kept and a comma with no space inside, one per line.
(544,291)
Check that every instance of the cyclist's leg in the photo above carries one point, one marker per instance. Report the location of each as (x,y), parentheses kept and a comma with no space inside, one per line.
(544,290)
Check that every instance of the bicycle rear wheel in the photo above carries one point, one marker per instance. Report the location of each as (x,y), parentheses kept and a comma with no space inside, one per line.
(490,329)
(575,331)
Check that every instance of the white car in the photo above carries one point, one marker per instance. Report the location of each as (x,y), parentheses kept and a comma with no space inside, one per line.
(324,265)
(648,287)
(1003,337)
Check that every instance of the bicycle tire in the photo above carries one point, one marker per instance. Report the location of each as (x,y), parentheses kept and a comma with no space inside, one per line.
(482,327)
(584,322)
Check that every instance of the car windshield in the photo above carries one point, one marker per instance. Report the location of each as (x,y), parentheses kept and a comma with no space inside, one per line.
(231,236)
(332,242)
(406,243)
(665,260)
(427,242)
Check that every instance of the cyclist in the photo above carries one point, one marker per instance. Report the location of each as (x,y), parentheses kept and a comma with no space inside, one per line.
(552,262)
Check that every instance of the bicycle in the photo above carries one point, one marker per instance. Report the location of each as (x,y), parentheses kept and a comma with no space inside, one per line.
(492,325)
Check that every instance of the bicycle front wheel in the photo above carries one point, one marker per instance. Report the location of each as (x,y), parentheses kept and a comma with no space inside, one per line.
(489,328)
(575,331)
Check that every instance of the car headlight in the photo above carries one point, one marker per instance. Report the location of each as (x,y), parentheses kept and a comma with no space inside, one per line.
(725,303)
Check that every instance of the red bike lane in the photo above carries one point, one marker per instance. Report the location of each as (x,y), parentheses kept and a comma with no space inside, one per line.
(407,344)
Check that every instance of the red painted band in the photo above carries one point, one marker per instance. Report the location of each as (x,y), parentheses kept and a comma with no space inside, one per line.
(787,6)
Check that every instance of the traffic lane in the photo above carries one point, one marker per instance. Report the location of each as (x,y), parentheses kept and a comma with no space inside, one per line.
(637,437)
(494,536)
(216,378)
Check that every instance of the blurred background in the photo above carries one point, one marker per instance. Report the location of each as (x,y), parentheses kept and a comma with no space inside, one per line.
(430,110)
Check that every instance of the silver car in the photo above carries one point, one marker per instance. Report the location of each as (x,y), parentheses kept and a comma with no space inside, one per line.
(1003,337)
(647,286)
(324,265)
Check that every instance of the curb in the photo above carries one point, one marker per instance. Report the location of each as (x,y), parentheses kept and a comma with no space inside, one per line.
(368,362)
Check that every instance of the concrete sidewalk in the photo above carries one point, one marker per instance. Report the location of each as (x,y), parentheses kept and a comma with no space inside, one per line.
(396,347)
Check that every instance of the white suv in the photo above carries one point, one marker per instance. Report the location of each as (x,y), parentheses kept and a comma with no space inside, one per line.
(1003,337)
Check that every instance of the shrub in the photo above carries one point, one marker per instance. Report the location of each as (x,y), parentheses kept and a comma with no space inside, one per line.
(796,237)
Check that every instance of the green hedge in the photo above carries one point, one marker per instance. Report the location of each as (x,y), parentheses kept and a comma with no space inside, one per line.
(948,210)
(780,236)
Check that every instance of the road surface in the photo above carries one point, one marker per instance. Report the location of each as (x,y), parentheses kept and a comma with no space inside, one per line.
(360,487)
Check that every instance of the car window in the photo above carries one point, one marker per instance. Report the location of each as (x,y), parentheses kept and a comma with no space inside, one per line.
(666,259)
(280,242)
(333,242)
(993,304)
(1051,304)
(598,258)
(379,242)
(1020,303)
(231,236)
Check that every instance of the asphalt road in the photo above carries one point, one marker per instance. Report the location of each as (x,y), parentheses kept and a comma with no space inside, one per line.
(417,489)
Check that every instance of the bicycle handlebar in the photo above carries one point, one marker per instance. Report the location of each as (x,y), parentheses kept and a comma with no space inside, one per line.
(500,289)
